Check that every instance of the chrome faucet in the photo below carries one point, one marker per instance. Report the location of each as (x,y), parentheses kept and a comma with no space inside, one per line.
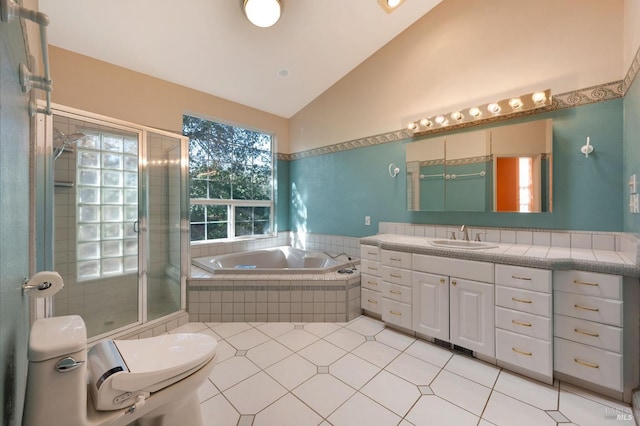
(465,233)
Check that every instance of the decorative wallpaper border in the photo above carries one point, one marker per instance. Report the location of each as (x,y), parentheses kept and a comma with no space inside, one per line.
(588,95)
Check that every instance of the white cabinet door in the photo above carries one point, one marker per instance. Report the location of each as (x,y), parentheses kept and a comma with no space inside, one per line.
(472,315)
(431,305)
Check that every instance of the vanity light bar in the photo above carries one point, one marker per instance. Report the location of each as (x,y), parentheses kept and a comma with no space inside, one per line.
(503,108)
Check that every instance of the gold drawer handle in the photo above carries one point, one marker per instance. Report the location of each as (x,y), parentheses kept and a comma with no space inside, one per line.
(395,292)
(454,283)
(515,277)
(586,308)
(395,259)
(524,324)
(395,276)
(515,299)
(586,333)
(518,351)
(372,282)
(585,363)
(398,314)
(442,280)
(372,268)
(585,283)
(375,302)
(372,253)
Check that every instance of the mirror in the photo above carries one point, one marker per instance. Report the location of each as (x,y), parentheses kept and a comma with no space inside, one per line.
(502,169)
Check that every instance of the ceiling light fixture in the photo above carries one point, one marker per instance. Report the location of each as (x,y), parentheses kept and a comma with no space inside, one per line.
(390,5)
(500,110)
(262,13)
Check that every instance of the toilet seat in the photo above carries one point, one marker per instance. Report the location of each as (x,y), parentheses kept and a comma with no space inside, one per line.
(157,362)
(121,370)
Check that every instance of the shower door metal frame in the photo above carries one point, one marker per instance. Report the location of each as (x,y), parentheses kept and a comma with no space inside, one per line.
(45,216)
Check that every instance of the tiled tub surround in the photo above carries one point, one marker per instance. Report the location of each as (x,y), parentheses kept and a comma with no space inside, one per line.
(328,297)
(604,264)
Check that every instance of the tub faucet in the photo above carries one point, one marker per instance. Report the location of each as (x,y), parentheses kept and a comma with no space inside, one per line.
(465,233)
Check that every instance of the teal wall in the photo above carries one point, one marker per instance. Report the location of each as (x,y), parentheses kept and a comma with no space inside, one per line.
(282,195)
(14,225)
(331,194)
(631,150)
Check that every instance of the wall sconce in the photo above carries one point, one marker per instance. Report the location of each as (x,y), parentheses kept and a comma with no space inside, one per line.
(393,170)
(262,13)
(586,149)
(503,109)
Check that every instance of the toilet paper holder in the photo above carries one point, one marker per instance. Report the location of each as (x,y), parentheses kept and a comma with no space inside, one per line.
(43,284)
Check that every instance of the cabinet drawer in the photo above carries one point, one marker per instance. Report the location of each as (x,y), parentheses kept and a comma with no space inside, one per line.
(523,323)
(588,283)
(396,292)
(369,252)
(524,300)
(396,275)
(588,332)
(588,363)
(396,259)
(371,300)
(467,269)
(371,282)
(370,267)
(526,352)
(525,278)
(397,313)
(606,311)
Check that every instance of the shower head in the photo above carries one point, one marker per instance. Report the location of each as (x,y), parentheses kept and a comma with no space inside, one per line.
(66,141)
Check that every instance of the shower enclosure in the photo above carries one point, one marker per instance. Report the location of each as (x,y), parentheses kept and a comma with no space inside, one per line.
(116,193)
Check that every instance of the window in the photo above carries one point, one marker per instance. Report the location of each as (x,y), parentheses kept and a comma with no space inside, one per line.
(231,180)
(107,203)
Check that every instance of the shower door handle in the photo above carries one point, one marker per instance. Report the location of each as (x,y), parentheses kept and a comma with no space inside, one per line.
(135,226)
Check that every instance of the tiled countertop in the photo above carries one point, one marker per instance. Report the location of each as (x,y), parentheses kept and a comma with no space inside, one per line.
(546,257)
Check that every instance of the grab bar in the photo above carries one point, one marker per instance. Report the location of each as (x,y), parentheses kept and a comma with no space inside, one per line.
(430,176)
(9,9)
(453,176)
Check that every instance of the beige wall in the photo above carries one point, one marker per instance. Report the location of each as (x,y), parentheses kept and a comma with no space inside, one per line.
(468,52)
(102,88)
(631,31)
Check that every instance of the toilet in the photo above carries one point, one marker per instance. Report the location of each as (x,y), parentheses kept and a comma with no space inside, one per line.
(152,381)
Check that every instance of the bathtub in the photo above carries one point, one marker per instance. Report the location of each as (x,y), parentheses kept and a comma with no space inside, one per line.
(278,260)
(281,284)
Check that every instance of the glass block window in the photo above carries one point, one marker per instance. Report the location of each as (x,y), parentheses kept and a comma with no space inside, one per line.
(107,205)
(230,180)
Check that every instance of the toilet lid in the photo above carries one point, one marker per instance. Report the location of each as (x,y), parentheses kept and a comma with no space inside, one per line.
(159,359)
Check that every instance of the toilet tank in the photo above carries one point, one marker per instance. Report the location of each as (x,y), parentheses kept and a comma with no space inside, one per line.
(56,378)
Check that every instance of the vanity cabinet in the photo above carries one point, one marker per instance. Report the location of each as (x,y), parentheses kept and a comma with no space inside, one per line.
(523,320)
(370,279)
(453,300)
(596,329)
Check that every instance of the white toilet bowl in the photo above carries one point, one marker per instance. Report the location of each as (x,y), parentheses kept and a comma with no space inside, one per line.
(151,381)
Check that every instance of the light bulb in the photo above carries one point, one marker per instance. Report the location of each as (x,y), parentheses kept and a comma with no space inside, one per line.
(475,112)
(457,115)
(440,119)
(515,103)
(425,122)
(412,126)
(539,98)
(393,3)
(494,108)
(262,13)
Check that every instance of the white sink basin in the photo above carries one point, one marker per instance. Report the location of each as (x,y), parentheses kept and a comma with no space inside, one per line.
(460,244)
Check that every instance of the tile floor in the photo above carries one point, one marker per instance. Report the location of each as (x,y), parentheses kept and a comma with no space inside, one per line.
(361,373)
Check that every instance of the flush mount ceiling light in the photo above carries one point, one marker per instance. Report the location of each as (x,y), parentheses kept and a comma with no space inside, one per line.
(390,5)
(500,110)
(262,13)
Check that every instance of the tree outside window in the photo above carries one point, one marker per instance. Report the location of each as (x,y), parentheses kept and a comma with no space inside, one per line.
(231,180)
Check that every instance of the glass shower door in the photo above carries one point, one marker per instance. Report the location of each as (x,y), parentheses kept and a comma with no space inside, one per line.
(166,206)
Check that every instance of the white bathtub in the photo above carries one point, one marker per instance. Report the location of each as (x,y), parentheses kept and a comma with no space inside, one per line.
(278,260)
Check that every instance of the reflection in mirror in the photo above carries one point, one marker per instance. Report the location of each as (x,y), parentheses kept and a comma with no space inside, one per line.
(503,169)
